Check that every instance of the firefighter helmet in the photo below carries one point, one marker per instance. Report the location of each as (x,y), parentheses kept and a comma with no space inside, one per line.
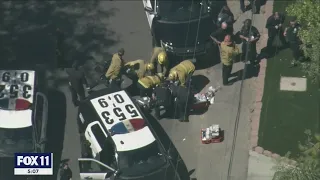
(173,76)
(150,67)
(162,57)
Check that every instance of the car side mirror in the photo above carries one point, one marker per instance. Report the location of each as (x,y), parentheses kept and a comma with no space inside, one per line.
(149,10)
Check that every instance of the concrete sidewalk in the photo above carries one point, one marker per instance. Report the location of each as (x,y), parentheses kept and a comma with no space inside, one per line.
(259,165)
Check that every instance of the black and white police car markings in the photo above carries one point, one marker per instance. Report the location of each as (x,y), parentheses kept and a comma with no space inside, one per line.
(115,107)
(17,84)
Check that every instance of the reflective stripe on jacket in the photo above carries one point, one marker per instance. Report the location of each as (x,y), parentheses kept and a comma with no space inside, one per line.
(183,69)
(149,81)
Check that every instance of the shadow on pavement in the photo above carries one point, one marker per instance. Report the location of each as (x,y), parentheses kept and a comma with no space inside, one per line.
(56,124)
(251,71)
(199,82)
(199,111)
(29,32)
(178,163)
(212,58)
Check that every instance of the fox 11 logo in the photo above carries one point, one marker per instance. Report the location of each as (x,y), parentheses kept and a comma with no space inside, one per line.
(33,164)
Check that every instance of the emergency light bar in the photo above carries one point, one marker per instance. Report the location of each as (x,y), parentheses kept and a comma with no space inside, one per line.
(128,126)
(15,104)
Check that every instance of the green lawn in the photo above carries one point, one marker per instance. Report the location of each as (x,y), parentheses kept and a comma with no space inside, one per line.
(286,115)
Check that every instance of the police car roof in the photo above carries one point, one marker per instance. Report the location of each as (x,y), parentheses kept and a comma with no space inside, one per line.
(129,130)
(16,119)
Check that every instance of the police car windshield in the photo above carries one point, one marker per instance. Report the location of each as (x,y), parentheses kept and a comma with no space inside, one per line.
(141,161)
(16,140)
(181,10)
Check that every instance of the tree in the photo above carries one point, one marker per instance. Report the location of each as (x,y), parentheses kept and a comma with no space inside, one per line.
(27,29)
(307,164)
(307,13)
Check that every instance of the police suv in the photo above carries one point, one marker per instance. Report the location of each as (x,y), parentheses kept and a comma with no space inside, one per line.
(182,27)
(23,112)
(117,141)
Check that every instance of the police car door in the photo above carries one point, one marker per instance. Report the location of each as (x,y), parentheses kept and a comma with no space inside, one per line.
(91,169)
(149,7)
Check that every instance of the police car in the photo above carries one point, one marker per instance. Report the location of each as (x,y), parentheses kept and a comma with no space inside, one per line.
(23,112)
(183,28)
(118,142)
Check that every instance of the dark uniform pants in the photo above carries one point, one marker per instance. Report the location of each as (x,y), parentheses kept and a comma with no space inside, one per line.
(65,174)
(163,98)
(296,51)
(272,35)
(77,93)
(252,52)
(182,110)
(133,90)
(226,72)
(169,109)
(184,98)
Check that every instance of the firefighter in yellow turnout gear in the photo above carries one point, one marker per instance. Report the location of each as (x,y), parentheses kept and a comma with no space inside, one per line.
(113,73)
(182,72)
(139,67)
(160,61)
(146,84)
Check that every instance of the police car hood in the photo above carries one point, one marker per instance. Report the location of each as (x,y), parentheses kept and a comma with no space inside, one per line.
(130,130)
(15,119)
(133,140)
(187,33)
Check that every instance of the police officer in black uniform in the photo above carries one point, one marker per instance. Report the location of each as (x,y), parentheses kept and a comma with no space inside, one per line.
(163,98)
(294,41)
(250,36)
(65,171)
(226,16)
(218,35)
(183,99)
(77,78)
(274,26)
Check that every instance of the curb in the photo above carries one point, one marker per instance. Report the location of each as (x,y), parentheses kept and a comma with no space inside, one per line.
(259,87)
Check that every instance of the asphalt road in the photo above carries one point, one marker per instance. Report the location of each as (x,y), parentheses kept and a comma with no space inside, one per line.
(102,29)
(131,31)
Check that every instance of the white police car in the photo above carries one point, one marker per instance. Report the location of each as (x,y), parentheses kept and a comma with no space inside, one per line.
(118,142)
(23,112)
